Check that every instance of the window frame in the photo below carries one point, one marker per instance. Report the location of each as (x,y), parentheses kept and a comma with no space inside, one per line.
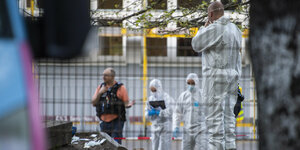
(165,47)
(110,46)
(177,49)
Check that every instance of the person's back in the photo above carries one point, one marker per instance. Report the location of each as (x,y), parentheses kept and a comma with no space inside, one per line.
(224,43)
(220,44)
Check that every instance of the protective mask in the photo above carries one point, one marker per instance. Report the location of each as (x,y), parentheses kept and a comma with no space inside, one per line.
(191,88)
(157,95)
(154,93)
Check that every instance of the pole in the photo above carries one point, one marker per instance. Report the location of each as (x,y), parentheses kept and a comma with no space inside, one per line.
(145,78)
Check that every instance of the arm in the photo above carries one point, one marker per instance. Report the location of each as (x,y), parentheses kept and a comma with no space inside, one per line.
(169,102)
(206,38)
(178,113)
(238,67)
(123,94)
(129,104)
(147,108)
(238,37)
(99,91)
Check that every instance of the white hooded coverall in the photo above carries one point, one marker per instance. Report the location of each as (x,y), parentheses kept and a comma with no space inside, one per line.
(190,109)
(220,44)
(161,131)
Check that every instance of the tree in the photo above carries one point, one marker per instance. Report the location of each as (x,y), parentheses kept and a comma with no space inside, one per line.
(191,13)
(275,54)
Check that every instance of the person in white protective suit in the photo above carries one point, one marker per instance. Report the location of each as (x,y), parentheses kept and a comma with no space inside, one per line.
(159,112)
(220,44)
(190,109)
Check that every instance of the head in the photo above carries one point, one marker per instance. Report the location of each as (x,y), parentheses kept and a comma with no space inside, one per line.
(153,89)
(156,88)
(215,11)
(192,82)
(109,75)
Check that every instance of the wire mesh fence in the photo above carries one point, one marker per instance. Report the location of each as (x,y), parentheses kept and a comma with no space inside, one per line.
(66,87)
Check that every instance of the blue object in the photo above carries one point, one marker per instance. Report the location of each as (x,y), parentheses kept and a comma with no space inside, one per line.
(176,132)
(191,88)
(196,104)
(74,129)
(153,112)
(13,90)
(157,112)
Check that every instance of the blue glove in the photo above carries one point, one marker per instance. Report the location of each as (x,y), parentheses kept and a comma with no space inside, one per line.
(153,112)
(176,132)
(157,112)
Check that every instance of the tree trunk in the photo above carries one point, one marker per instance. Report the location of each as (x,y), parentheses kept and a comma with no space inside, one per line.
(275,55)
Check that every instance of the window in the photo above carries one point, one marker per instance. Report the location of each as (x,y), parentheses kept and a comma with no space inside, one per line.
(190,3)
(184,47)
(158,4)
(110,46)
(156,46)
(110,4)
(5,24)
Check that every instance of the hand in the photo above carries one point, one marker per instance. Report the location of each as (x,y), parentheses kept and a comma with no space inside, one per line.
(207,23)
(97,94)
(157,112)
(130,104)
(103,90)
(153,112)
(176,132)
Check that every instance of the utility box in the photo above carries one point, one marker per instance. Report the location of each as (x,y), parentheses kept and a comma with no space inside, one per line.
(59,133)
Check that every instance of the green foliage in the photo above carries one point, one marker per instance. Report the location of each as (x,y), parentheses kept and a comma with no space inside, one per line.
(184,18)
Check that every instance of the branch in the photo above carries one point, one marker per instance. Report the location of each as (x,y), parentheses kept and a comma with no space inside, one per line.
(235,5)
(164,19)
(134,14)
(141,11)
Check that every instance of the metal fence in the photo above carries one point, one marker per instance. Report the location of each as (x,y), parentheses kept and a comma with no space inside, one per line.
(67,86)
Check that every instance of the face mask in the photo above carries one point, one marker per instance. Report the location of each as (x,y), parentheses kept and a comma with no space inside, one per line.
(157,95)
(154,94)
(191,88)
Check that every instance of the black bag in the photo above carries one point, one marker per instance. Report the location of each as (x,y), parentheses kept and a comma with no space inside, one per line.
(238,105)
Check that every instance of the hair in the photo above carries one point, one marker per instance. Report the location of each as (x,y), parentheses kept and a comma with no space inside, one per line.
(217,7)
(113,72)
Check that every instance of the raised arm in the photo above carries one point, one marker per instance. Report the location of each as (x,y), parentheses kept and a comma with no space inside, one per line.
(99,91)
(206,38)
